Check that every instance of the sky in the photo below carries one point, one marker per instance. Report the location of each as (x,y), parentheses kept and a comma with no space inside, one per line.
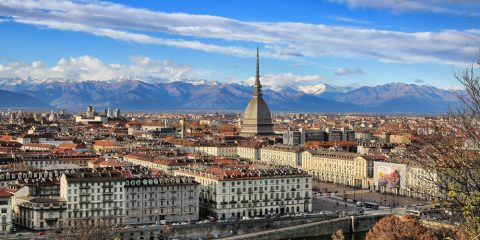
(302,43)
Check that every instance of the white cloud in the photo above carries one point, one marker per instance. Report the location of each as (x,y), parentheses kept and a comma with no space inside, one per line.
(348,20)
(277,81)
(458,7)
(348,71)
(89,68)
(282,40)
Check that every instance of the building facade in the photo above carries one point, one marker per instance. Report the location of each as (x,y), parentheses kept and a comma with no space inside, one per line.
(281,155)
(153,198)
(339,167)
(93,197)
(234,193)
(5,212)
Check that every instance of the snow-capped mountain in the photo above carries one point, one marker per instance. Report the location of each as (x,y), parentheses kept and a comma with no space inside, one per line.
(211,95)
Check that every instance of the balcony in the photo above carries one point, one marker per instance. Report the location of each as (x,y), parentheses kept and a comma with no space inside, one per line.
(107,193)
(233,202)
(244,201)
(84,187)
(223,203)
(107,186)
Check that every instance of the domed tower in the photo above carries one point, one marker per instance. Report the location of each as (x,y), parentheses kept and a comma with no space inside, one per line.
(257,119)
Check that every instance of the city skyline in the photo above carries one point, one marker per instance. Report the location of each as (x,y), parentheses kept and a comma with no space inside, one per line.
(344,43)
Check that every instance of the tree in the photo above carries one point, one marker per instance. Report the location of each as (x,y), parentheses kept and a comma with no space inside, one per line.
(404,228)
(451,155)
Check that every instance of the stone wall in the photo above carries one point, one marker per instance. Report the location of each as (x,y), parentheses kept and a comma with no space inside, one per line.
(218,230)
(322,228)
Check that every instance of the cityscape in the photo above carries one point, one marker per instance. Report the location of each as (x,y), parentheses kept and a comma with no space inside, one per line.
(197,120)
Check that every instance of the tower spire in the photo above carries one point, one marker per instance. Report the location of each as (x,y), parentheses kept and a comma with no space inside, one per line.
(257,88)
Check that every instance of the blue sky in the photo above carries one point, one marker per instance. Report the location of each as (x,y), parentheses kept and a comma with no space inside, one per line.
(302,43)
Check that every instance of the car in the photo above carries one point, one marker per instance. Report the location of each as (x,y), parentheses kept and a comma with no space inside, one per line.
(245,218)
(128,227)
(359,203)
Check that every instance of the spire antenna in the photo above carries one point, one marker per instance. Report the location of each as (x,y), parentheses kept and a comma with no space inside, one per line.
(257,88)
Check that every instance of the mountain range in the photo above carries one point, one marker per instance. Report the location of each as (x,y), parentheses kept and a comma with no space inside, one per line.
(211,95)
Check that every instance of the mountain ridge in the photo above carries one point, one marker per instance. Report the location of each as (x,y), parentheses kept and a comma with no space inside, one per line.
(200,94)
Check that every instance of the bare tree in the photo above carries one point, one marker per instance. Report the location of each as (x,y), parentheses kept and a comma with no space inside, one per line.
(451,155)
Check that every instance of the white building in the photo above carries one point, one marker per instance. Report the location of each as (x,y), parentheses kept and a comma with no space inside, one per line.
(94,197)
(5,212)
(248,191)
(150,198)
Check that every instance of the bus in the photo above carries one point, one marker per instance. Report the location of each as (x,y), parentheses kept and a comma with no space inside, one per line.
(414,212)
(371,205)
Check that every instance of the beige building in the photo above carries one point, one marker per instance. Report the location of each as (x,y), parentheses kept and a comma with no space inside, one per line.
(339,167)
(39,161)
(249,151)
(282,155)
(216,150)
(165,164)
(250,191)
(421,183)
(40,213)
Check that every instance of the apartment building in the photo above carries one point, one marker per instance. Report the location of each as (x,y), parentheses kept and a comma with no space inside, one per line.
(5,212)
(237,190)
(339,167)
(152,197)
(40,213)
(94,197)
(282,155)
